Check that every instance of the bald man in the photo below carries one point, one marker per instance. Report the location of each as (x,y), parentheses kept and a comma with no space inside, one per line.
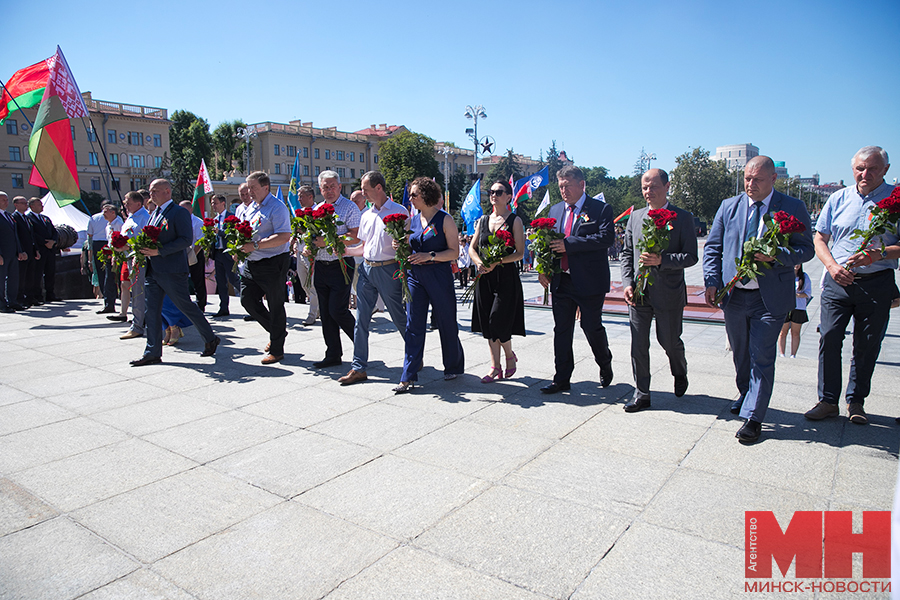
(754,310)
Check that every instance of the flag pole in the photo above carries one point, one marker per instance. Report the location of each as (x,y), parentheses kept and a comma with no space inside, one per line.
(19,108)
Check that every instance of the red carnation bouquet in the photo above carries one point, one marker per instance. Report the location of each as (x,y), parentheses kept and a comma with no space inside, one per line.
(237,233)
(655,233)
(883,214)
(147,238)
(395,225)
(208,241)
(544,230)
(499,244)
(776,238)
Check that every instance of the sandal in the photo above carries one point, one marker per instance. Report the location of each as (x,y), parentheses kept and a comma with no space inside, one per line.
(450,376)
(177,334)
(167,337)
(404,387)
(494,375)
(510,372)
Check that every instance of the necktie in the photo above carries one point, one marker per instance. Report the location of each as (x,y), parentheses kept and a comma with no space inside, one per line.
(570,219)
(753,225)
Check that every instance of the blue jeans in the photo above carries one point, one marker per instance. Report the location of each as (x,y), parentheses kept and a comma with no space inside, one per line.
(373,281)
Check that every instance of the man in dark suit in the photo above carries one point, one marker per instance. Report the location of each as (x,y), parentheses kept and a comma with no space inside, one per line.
(754,310)
(584,281)
(167,274)
(46,237)
(223,261)
(11,253)
(29,243)
(666,297)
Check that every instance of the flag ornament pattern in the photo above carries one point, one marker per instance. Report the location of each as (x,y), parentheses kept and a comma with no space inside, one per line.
(50,146)
(26,88)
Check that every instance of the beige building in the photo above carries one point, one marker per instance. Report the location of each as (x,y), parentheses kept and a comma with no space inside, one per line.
(135,138)
(735,155)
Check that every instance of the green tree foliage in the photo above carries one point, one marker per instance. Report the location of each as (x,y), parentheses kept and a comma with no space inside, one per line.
(190,142)
(227,147)
(459,187)
(92,200)
(699,184)
(405,156)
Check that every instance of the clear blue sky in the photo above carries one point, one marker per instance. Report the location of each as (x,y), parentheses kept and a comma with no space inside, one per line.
(807,82)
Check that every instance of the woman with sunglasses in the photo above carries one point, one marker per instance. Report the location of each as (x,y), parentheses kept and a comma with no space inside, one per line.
(434,244)
(499,309)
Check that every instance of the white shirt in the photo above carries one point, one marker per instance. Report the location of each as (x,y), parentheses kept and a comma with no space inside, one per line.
(372,231)
(97,227)
(242,209)
(197,227)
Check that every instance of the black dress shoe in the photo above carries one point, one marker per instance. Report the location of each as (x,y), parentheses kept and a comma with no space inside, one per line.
(53,299)
(681,385)
(749,433)
(105,311)
(7,309)
(248,318)
(553,387)
(146,360)
(606,375)
(210,347)
(221,313)
(118,318)
(327,362)
(636,404)
(16,307)
(736,406)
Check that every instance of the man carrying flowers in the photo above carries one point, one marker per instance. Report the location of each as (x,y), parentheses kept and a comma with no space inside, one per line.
(660,243)
(860,222)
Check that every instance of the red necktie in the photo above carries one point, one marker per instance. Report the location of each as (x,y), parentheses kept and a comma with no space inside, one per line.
(570,218)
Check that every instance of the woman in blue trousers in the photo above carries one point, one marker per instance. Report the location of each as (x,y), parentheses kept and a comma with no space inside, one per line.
(434,246)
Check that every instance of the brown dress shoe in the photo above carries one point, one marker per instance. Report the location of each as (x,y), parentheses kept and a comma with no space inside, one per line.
(131,335)
(353,377)
(857,414)
(272,358)
(822,410)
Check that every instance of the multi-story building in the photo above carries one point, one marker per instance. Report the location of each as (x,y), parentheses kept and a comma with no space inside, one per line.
(736,155)
(135,139)
(781,170)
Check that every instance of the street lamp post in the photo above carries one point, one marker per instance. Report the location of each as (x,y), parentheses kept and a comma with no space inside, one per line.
(473,112)
(648,158)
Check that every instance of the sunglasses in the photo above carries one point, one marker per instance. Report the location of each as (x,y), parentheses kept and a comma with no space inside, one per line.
(497,192)
(414,194)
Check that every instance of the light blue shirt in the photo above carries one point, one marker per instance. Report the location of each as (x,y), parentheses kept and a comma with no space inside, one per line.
(135,223)
(268,218)
(845,211)
(345,211)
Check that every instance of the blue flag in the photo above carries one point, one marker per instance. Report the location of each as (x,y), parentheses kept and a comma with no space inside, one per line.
(405,201)
(293,191)
(540,178)
(278,194)
(471,208)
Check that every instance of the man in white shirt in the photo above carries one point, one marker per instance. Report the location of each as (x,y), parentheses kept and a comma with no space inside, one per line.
(306,195)
(138,218)
(376,272)
(97,235)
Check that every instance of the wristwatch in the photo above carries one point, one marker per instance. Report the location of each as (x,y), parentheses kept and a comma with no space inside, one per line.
(255,245)
(883,253)
(432,255)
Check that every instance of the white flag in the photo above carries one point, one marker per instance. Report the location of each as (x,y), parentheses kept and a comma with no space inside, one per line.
(544,203)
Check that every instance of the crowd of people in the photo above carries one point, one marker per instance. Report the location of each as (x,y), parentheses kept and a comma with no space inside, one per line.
(760,310)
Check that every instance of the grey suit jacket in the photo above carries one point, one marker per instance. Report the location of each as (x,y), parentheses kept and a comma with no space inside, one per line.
(668,290)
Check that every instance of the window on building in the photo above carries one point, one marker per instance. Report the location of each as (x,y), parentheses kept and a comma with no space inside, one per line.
(18,182)
(278,168)
(318,170)
(306,153)
(75,156)
(739,153)
(92,135)
(351,156)
(306,170)
(328,155)
(157,162)
(277,150)
(95,183)
(12,127)
(362,157)
(114,160)
(92,159)
(340,155)
(341,171)
(111,136)
(157,140)
(352,173)
(137,183)
(292,150)
(115,184)
(376,159)
(137,161)
(135,138)
(73,132)
(315,153)
(15,153)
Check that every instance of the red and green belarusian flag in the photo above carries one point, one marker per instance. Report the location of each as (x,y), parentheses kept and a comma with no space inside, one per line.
(25,88)
(625,215)
(50,146)
(201,189)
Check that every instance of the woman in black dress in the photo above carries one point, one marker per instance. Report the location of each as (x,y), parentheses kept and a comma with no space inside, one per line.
(499,308)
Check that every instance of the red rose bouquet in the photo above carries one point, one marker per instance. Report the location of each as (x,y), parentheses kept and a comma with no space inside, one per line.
(395,225)
(883,214)
(327,222)
(776,238)
(655,240)
(208,242)
(237,233)
(544,258)
(499,244)
(147,238)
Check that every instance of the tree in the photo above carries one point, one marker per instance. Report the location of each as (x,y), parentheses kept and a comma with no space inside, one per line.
(190,142)
(459,187)
(227,147)
(405,156)
(699,184)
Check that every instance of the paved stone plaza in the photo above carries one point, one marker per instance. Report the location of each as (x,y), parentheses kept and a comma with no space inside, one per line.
(222,479)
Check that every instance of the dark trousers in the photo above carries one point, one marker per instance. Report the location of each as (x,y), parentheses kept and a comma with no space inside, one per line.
(565,300)
(225,274)
(266,277)
(36,293)
(175,286)
(106,279)
(198,278)
(9,280)
(868,301)
(334,304)
(432,283)
(668,333)
(753,334)
(50,275)
(27,270)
